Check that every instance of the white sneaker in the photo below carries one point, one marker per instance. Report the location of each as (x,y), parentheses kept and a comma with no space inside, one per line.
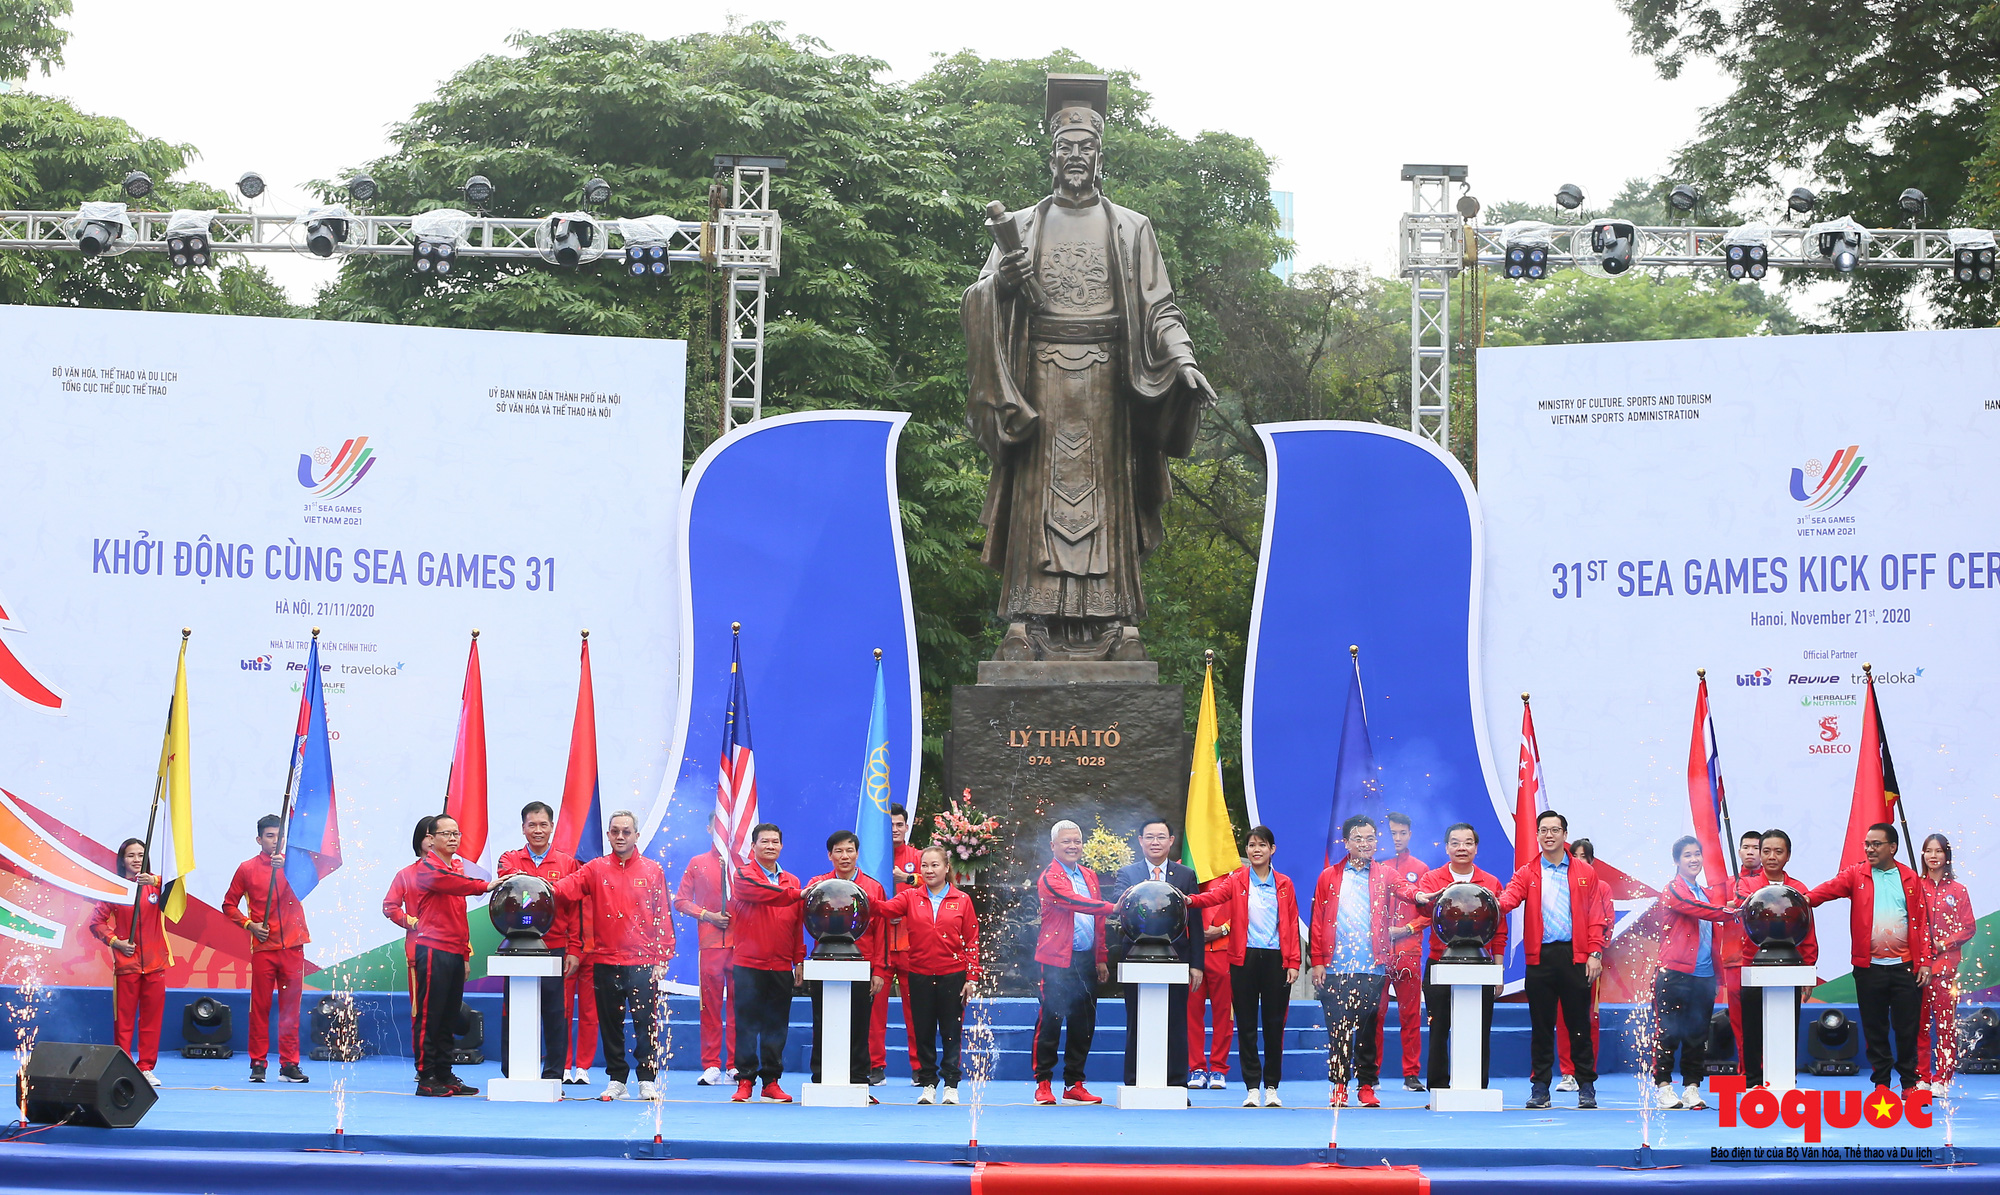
(729,1073)
(583,1074)
(1691,1097)
(1668,1098)
(927,1096)
(151,1078)
(1250,1096)
(709,1077)
(1566,1083)
(614,1090)
(1271,1098)
(649,1091)
(950,1095)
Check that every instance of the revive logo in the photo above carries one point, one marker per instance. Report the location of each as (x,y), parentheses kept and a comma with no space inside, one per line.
(1760,1107)
(343,470)
(1837,479)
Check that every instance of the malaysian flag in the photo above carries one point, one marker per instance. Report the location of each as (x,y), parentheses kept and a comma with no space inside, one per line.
(736,782)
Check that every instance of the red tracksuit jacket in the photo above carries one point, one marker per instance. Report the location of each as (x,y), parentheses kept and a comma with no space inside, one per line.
(1060,904)
(1856,882)
(442,887)
(1586,925)
(701,892)
(769,919)
(908,859)
(1234,890)
(399,904)
(554,867)
(1948,910)
(118,921)
(252,882)
(873,943)
(1405,915)
(1437,879)
(630,922)
(941,943)
(1326,913)
(1687,905)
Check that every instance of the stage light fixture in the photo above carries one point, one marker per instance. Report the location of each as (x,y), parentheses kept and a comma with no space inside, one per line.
(1913,203)
(436,236)
(468,1037)
(1832,1043)
(1979,1043)
(1842,242)
(102,229)
(336,1029)
(206,1029)
(596,193)
(362,189)
(478,191)
(1684,199)
(570,239)
(187,240)
(138,185)
(326,229)
(1569,197)
(251,185)
(646,242)
(1801,200)
(1721,1053)
(1468,207)
(1526,246)
(1972,256)
(1607,247)
(1746,252)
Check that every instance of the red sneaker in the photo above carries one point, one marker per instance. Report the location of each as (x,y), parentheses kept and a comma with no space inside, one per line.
(1076,1093)
(743,1090)
(774,1094)
(1339,1097)
(1366,1098)
(1043,1093)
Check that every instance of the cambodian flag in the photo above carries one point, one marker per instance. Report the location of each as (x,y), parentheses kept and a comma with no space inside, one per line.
(580,821)
(312,831)
(871,810)
(1357,785)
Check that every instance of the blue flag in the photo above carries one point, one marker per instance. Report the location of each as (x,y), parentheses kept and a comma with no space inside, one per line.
(1357,786)
(312,831)
(871,811)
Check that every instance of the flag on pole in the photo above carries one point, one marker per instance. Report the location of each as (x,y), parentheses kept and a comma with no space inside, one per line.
(465,791)
(1530,793)
(176,854)
(1357,786)
(1704,777)
(871,810)
(580,821)
(1875,789)
(1208,842)
(312,831)
(736,783)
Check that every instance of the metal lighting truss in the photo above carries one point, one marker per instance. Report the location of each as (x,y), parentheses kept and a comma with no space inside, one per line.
(1435,243)
(742,241)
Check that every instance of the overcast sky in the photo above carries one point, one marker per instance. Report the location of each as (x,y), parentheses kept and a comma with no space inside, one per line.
(1341,94)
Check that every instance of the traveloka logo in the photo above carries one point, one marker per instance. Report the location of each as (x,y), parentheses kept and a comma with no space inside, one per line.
(1836,479)
(1758,678)
(342,471)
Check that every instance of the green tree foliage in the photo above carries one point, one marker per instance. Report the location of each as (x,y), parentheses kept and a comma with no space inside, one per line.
(1575,308)
(29,36)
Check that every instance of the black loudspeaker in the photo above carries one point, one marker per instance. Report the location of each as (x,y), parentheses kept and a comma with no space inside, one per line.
(89,1085)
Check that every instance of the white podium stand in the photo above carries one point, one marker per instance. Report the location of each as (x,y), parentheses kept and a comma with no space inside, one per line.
(1468,1000)
(1781,1022)
(524,974)
(1152,1090)
(837,977)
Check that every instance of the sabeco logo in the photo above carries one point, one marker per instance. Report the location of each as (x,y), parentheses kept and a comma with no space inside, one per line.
(1835,480)
(1760,677)
(1829,736)
(1760,1108)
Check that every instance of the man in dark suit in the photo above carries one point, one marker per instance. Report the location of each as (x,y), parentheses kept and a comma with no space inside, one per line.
(1156,842)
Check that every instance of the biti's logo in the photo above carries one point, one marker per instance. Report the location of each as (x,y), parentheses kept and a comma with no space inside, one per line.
(339,472)
(1833,482)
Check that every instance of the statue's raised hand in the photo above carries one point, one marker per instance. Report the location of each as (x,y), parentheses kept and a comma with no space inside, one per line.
(1197,381)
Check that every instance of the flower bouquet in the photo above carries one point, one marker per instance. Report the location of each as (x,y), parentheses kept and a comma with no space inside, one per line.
(1105,852)
(970,836)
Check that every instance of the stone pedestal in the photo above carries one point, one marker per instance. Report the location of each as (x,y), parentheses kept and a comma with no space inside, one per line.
(1039,741)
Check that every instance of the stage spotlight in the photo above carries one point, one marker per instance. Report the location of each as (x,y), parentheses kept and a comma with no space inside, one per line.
(187,239)
(1569,197)
(570,239)
(647,261)
(362,189)
(1746,252)
(336,1029)
(1607,250)
(1972,254)
(435,256)
(102,229)
(596,193)
(468,1037)
(1841,242)
(326,229)
(1526,246)
(251,185)
(1684,199)
(478,191)
(437,236)
(1801,200)
(1468,207)
(138,185)
(1979,1043)
(1721,1053)
(206,1030)
(1832,1043)
(1913,203)
(646,242)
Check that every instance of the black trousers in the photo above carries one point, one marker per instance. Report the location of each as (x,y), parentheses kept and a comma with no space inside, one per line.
(763,1014)
(1750,1051)
(440,976)
(1437,998)
(1890,1000)
(1557,982)
(619,987)
(555,1027)
(1683,1005)
(1177,1038)
(937,1012)
(1352,1003)
(860,1006)
(1068,993)
(1259,996)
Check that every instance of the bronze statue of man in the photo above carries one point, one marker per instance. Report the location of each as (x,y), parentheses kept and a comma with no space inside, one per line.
(1082,383)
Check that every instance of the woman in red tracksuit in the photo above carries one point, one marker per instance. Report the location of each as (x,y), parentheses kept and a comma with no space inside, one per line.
(399,904)
(943,961)
(1948,908)
(1264,961)
(140,956)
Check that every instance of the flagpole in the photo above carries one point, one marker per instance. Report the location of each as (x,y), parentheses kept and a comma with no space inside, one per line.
(1729,843)
(1909,843)
(285,806)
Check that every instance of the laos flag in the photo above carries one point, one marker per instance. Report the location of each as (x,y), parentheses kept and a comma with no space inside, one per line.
(312,832)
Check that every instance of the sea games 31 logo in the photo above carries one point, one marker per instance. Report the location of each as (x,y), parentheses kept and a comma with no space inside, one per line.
(1760,1107)
(341,471)
(1834,481)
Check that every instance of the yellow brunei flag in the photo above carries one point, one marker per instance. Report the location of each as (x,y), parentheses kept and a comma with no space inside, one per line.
(1208,845)
(175,858)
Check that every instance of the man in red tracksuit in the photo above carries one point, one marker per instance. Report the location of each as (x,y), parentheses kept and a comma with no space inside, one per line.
(1891,953)
(277,923)
(704,897)
(1349,947)
(906,863)
(1071,955)
(539,858)
(1564,942)
(632,940)
(1406,954)
(767,910)
(1774,851)
(843,850)
(1461,846)
(443,943)
(137,935)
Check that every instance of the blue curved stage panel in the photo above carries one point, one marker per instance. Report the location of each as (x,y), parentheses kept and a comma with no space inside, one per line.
(1371,537)
(791,526)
